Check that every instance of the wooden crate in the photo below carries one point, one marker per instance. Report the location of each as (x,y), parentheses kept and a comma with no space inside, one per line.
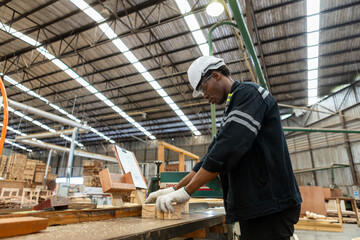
(29,172)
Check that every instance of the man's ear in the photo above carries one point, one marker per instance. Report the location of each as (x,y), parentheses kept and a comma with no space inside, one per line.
(216,75)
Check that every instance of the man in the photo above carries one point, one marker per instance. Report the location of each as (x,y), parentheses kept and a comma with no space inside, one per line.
(250,154)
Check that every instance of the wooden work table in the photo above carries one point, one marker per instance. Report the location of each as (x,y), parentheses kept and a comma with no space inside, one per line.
(132,228)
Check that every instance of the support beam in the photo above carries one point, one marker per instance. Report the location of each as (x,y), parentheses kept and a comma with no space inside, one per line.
(45,114)
(78,153)
(48,134)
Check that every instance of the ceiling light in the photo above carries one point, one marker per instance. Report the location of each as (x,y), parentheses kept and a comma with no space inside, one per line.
(215,8)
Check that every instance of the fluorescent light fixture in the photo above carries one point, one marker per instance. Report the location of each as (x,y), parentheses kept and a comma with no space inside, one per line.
(147,76)
(155,85)
(174,106)
(137,125)
(91,89)
(94,14)
(10,80)
(117,109)
(183,6)
(188,123)
(36,122)
(313,52)
(161,92)
(312,7)
(46,53)
(100,96)
(168,100)
(60,64)
(62,111)
(197,133)
(20,114)
(54,106)
(72,117)
(139,67)
(152,137)
(123,114)
(215,8)
(184,118)
(179,112)
(130,57)
(120,45)
(22,87)
(130,119)
(80,4)
(142,129)
(107,30)
(28,118)
(71,73)
(312,74)
(199,37)
(204,48)
(312,63)
(312,92)
(192,22)
(82,82)
(313,84)
(312,28)
(109,103)
(312,38)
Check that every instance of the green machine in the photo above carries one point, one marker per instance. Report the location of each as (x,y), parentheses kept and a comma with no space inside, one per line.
(211,189)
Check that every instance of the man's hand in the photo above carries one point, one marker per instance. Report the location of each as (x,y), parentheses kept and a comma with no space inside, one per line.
(154,195)
(163,203)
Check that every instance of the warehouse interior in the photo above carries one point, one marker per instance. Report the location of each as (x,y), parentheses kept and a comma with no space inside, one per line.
(88,83)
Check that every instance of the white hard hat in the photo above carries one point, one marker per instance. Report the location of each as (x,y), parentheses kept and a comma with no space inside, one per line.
(200,67)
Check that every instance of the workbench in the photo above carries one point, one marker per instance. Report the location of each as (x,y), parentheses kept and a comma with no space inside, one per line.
(132,227)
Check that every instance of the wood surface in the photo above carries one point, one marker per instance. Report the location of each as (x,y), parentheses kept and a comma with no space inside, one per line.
(313,200)
(77,216)
(318,225)
(16,166)
(174,215)
(134,228)
(3,164)
(148,211)
(201,233)
(21,225)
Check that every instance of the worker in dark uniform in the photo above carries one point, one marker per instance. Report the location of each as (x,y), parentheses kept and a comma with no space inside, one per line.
(249,153)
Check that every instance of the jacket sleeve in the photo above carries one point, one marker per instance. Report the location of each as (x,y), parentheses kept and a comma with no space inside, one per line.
(239,129)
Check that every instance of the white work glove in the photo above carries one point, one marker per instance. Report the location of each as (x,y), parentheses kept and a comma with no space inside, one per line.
(154,195)
(163,203)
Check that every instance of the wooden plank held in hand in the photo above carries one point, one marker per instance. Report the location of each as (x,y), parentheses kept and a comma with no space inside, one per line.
(21,225)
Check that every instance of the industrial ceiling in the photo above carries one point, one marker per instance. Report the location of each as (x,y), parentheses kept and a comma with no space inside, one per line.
(159,37)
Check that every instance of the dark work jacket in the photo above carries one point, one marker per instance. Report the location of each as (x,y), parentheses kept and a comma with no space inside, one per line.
(251,154)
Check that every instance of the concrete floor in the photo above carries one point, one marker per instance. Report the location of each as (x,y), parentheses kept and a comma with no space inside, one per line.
(349,232)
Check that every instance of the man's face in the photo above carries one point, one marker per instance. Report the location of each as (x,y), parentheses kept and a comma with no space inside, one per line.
(212,89)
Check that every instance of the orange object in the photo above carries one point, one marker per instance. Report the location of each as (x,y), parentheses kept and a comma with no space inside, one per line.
(6,115)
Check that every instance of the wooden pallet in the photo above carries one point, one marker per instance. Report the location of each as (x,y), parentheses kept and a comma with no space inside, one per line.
(3,164)
(16,166)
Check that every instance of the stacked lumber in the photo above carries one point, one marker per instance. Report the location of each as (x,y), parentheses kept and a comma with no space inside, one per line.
(3,164)
(91,169)
(16,166)
(10,202)
(40,171)
(29,172)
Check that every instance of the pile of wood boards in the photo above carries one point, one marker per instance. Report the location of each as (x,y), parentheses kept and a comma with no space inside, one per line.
(91,169)
(10,202)
(15,167)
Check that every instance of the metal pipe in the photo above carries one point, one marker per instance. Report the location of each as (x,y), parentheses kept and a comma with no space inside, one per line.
(48,134)
(47,167)
(71,154)
(213,107)
(45,114)
(333,130)
(78,153)
(247,41)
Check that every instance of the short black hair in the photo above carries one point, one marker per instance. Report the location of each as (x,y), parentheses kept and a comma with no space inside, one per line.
(224,70)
